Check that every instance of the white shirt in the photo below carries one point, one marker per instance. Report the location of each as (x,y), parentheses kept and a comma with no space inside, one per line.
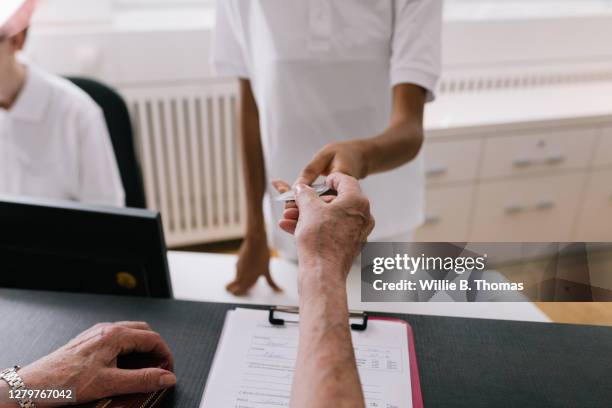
(322,71)
(54,143)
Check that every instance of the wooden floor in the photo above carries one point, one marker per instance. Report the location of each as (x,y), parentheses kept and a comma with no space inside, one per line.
(578,313)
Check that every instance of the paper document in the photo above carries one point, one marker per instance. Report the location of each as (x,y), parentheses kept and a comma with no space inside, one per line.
(255,361)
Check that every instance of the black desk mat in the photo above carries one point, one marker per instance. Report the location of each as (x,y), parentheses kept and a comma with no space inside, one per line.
(463,362)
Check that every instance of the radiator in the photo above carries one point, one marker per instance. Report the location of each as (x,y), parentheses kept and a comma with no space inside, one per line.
(189,153)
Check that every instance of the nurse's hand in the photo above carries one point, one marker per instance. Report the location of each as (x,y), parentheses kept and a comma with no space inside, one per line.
(253,262)
(349,157)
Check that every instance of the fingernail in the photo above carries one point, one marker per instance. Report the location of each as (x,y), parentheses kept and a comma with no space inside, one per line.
(166,380)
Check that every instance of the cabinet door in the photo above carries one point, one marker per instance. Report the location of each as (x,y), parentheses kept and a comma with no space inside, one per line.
(447,214)
(600,271)
(603,155)
(528,209)
(595,222)
(538,152)
(451,161)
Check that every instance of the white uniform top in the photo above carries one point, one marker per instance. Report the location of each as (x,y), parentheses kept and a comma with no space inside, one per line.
(322,71)
(54,143)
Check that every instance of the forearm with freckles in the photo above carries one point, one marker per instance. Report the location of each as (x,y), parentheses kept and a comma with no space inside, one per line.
(326,359)
(401,142)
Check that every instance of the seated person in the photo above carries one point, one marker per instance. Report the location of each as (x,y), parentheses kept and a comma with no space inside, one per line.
(54,142)
(329,236)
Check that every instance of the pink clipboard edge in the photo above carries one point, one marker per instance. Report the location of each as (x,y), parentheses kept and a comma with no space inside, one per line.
(417,396)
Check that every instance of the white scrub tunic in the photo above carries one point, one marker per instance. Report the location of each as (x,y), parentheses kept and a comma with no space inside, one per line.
(323,71)
(54,143)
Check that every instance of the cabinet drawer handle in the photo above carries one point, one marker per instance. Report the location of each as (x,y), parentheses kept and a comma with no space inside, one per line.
(555,158)
(437,171)
(512,209)
(545,205)
(432,219)
(522,161)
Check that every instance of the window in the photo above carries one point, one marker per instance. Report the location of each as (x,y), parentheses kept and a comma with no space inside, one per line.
(150,4)
(58,12)
(524,9)
(106,11)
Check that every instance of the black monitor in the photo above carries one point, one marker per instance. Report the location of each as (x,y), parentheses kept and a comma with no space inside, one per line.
(71,247)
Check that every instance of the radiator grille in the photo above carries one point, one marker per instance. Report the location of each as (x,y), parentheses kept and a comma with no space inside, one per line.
(496,81)
(189,153)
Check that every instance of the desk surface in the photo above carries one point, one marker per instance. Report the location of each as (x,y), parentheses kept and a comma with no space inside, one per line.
(203,277)
(463,362)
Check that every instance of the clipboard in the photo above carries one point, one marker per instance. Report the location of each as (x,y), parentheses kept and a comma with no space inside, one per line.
(417,396)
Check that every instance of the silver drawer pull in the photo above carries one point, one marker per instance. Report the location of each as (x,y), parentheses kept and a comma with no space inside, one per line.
(545,205)
(555,159)
(512,209)
(432,219)
(437,171)
(522,161)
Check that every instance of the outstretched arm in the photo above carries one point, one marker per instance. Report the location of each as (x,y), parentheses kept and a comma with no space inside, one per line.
(329,235)
(397,145)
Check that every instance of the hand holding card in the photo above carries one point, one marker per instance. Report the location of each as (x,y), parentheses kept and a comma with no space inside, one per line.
(288,193)
(291,213)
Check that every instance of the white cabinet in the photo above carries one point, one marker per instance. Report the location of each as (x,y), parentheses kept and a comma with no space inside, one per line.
(595,221)
(600,270)
(538,151)
(603,155)
(451,161)
(447,215)
(527,209)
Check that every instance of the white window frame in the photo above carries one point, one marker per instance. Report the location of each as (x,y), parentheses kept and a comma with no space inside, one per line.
(74,12)
(152,4)
(483,10)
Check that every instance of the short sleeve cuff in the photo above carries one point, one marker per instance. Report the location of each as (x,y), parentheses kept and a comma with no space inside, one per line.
(229,69)
(426,80)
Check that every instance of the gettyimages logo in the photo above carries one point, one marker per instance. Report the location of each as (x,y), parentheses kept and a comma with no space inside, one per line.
(486,272)
(412,264)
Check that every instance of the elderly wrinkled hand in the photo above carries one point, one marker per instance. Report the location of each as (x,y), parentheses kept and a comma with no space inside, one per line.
(88,363)
(328,228)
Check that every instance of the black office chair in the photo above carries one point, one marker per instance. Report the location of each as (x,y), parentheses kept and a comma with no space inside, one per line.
(122,136)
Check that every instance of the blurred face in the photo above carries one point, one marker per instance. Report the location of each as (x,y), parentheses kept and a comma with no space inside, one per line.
(9,48)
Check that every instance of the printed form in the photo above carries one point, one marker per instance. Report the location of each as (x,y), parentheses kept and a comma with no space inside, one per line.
(255,362)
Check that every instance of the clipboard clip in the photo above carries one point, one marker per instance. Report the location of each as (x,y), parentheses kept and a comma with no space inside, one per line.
(276,321)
